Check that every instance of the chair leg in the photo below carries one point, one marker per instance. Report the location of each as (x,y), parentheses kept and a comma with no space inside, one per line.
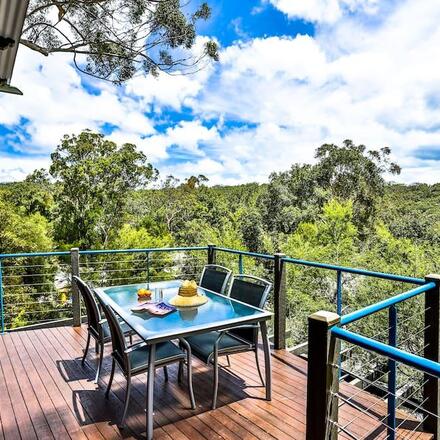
(258,366)
(180,372)
(101,355)
(190,381)
(107,392)
(165,372)
(86,350)
(96,347)
(150,392)
(215,385)
(229,361)
(181,363)
(127,399)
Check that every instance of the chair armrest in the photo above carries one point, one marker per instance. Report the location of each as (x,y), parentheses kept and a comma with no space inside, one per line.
(135,347)
(250,326)
(223,332)
(242,326)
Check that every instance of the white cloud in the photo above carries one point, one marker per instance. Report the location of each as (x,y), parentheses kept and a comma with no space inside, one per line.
(187,137)
(416,171)
(324,11)
(173,91)
(373,85)
(374,81)
(248,154)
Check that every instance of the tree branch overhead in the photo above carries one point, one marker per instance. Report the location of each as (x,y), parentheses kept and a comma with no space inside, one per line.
(119,38)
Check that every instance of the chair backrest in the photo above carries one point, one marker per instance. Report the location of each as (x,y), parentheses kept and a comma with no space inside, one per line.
(92,310)
(253,291)
(215,278)
(116,333)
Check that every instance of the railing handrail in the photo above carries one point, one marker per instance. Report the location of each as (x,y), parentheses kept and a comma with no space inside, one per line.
(101,251)
(247,253)
(280,261)
(412,360)
(386,303)
(142,250)
(364,272)
(346,269)
(369,273)
(35,254)
(74,254)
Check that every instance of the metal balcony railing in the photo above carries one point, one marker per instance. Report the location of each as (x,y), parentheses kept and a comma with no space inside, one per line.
(412,403)
(376,352)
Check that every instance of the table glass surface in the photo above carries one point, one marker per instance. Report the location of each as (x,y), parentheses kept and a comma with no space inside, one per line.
(219,312)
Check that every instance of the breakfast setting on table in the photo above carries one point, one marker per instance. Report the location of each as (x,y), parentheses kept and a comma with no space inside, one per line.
(153,302)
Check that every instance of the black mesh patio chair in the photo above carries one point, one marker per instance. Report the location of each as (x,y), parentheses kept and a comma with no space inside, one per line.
(210,346)
(215,278)
(133,360)
(97,327)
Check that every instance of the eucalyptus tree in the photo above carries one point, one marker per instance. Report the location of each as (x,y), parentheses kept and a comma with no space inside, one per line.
(115,39)
(94,177)
(352,172)
(347,172)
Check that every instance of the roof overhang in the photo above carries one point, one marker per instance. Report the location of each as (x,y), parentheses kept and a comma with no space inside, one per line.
(12,16)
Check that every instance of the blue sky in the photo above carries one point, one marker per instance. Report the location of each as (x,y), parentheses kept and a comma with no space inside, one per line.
(245,20)
(292,75)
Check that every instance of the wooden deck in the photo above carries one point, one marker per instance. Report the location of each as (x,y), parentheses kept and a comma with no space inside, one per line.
(45,393)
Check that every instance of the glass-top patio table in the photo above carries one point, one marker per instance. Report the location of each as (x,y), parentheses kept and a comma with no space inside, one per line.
(219,313)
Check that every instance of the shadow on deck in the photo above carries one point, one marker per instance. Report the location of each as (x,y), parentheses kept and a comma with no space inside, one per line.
(45,393)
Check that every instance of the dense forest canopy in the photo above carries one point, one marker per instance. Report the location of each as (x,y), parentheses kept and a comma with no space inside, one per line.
(340,210)
(94,188)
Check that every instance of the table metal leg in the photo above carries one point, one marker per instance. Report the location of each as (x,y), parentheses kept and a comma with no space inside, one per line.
(150,391)
(267,360)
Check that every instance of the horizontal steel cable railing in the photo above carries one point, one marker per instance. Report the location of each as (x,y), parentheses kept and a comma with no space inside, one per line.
(146,267)
(403,383)
(36,289)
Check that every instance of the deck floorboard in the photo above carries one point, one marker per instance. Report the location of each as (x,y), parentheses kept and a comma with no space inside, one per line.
(47,394)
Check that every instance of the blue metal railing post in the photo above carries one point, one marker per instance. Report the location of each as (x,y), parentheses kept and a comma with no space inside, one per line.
(76,297)
(148,269)
(392,374)
(212,255)
(2,311)
(339,293)
(240,264)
